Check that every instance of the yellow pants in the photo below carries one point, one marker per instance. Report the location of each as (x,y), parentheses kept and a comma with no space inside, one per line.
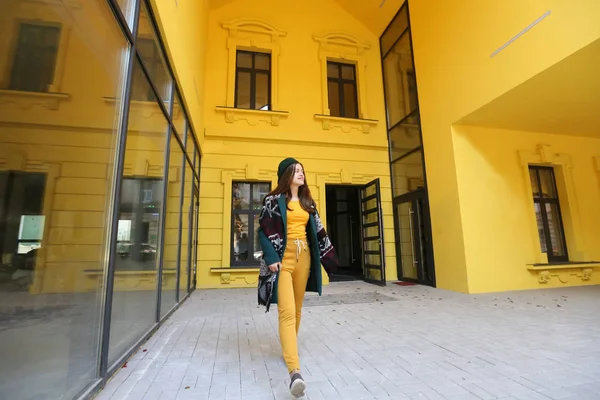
(290,294)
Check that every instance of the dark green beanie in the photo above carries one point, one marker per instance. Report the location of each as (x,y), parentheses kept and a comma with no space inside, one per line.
(284,165)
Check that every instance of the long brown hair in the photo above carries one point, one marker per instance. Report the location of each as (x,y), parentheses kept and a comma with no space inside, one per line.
(284,188)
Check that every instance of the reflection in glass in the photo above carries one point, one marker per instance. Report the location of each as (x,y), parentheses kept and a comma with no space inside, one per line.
(405,137)
(259,191)
(555,230)
(55,192)
(179,117)
(148,47)
(407,173)
(134,299)
(399,81)
(128,9)
(241,196)
(240,237)
(172,245)
(394,30)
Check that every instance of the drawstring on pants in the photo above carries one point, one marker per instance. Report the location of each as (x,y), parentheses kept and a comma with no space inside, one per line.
(300,245)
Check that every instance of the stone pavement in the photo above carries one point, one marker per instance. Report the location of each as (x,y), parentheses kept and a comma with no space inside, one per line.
(361,341)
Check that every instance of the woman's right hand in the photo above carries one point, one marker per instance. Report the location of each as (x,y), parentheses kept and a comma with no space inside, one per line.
(275,267)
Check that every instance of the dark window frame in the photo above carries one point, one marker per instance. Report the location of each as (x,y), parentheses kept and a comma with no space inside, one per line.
(542,201)
(251,212)
(341,82)
(18,73)
(253,72)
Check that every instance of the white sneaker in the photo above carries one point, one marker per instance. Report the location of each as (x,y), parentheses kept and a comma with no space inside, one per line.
(297,386)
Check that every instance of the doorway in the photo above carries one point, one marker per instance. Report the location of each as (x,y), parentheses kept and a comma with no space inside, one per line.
(343,228)
(414,247)
(355,228)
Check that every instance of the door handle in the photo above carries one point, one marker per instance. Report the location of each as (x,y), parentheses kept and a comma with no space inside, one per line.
(412,239)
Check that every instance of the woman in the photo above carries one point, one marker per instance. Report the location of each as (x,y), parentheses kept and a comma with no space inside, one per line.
(294,245)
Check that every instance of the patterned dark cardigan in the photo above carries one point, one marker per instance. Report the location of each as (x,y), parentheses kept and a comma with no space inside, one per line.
(272,233)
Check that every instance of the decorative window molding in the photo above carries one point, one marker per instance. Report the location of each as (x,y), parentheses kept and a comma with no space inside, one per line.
(344,48)
(345,124)
(249,173)
(544,155)
(252,117)
(255,35)
(563,273)
(27,100)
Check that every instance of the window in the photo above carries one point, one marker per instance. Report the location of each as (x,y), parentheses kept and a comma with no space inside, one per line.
(547,212)
(151,57)
(246,203)
(35,58)
(253,81)
(341,88)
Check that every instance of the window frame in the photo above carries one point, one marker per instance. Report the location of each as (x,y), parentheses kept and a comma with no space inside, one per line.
(251,213)
(341,82)
(253,71)
(17,47)
(542,201)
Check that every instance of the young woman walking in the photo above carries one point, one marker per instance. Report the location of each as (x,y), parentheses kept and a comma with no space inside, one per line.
(294,246)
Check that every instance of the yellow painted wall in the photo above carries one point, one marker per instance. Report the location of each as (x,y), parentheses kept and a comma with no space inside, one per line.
(456,76)
(493,188)
(241,146)
(183,26)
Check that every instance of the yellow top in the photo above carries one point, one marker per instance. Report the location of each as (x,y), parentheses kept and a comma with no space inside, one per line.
(297,219)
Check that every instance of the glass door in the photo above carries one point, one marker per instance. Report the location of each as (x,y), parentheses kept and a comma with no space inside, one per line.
(372,233)
(414,249)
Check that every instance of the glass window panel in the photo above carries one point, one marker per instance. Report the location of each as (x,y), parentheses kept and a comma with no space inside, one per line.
(243,90)
(407,174)
(373,274)
(535,185)
(55,221)
(172,222)
(395,29)
(262,61)
(262,92)
(405,137)
(372,245)
(547,181)
(540,224)
(240,237)
(259,191)
(348,72)
(373,259)
(555,230)
(190,147)
(398,73)
(134,299)
(186,221)
(371,231)
(128,9)
(333,70)
(369,205)
(334,99)
(149,49)
(179,119)
(256,225)
(350,109)
(241,196)
(407,257)
(244,60)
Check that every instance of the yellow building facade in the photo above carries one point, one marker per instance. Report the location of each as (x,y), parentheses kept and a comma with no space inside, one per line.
(490,108)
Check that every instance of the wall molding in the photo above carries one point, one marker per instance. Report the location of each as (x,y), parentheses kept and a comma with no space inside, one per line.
(343,47)
(346,125)
(564,272)
(253,34)
(545,155)
(28,100)
(252,117)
